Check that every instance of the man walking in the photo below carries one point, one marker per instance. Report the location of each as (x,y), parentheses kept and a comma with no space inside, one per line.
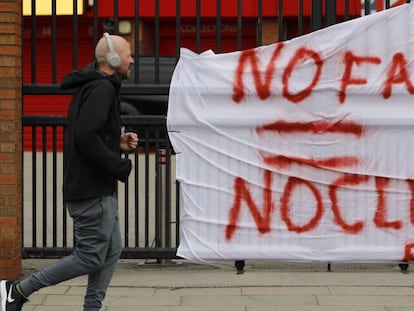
(92,169)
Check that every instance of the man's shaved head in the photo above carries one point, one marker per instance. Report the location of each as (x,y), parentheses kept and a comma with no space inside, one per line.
(102,48)
(120,46)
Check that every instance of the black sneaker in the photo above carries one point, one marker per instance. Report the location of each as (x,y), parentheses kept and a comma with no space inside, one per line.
(11,299)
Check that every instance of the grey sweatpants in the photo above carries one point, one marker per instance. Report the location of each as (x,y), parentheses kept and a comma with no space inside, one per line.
(97,249)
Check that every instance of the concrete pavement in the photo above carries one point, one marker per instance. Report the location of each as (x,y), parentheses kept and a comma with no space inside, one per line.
(214,286)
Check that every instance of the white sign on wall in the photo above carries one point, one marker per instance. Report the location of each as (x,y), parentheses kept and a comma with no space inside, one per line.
(301,150)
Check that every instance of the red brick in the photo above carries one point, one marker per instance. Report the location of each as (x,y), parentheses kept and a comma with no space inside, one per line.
(8,189)
(4,157)
(9,6)
(9,93)
(10,18)
(9,114)
(8,147)
(11,168)
(10,138)
(8,221)
(8,126)
(8,104)
(8,232)
(10,61)
(8,82)
(10,253)
(9,263)
(9,179)
(9,71)
(8,243)
(10,274)
(10,201)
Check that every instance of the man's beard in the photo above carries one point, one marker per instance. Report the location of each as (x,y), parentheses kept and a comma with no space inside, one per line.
(123,74)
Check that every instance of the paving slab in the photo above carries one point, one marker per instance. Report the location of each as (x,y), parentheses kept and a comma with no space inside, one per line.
(215,286)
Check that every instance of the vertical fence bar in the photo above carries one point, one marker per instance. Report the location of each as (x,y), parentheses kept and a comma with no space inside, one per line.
(34,186)
(157,185)
(280,21)
(161,207)
(167,200)
(239,25)
(177,212)
(177,29)
(218,27)
(75,63)
(316,17)
(33,42)
(330,12)
(54,42)
(198,26)
(136,196)
(157,42)
(95,24)
(137,38)
(44,186)
(387,3)
(147,198)
(126,210)
(54,185)
(64,216)
(367,7)
(116,16)
(346,10)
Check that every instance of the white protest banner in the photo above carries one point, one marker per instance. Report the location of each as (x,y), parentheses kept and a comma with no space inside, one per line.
(302,150)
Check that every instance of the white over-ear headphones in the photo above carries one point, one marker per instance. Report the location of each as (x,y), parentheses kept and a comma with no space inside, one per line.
(112,58)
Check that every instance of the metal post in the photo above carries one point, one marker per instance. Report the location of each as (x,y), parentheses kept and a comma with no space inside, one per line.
(316,14)
(330,12)
(163,215)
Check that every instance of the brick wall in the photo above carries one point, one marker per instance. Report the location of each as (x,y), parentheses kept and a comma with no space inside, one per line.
(10,138)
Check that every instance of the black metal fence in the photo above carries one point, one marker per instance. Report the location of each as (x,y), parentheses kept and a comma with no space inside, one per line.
(149,202)
(322,13)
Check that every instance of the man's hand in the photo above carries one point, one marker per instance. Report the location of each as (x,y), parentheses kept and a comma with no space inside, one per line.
(129,141)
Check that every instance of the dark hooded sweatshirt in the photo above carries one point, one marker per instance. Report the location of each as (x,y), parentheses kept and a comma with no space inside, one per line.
(92,161)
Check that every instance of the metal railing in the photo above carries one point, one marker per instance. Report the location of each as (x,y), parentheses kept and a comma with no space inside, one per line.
(148,201)
(322,13)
